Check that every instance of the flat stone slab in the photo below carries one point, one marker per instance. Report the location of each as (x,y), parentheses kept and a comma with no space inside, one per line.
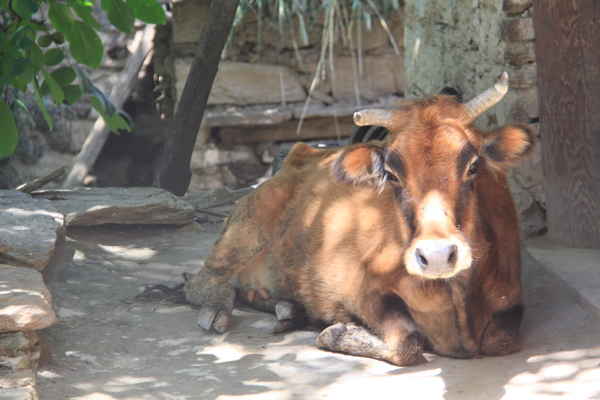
(97,206)
(29,229)
(576,270)
(25,302)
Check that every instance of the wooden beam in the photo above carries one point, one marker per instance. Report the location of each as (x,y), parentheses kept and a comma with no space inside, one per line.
(567,36)
(141,46)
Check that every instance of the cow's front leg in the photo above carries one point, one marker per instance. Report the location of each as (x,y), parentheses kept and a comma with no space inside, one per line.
(359,341)
(501,336)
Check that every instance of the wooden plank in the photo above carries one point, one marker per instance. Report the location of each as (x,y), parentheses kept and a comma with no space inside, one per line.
(568,55)
(315,128)
(141,45)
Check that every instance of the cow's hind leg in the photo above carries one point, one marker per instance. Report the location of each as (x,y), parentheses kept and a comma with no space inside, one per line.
(359,341)
(210,288)
(290,316)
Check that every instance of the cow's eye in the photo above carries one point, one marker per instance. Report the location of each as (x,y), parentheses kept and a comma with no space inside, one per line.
(473,168)
(390,177)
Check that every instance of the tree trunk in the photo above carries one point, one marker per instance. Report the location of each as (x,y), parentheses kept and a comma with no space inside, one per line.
(567,36)
(174,172)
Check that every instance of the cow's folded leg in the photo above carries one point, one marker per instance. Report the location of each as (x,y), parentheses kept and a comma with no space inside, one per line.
(216,311)
(501,336)
(359,341)
(290,316)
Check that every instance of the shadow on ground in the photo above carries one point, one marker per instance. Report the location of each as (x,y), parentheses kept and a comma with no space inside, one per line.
(103,349)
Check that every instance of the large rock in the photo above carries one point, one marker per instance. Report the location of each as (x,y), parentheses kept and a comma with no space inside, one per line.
(29,229)
(97,206)
(25,302)
(243,83)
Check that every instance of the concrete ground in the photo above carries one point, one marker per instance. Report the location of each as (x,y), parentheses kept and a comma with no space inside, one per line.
(103,348)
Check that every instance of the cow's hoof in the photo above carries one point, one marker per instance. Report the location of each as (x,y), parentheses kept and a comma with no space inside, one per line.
(290,316)
(217,310)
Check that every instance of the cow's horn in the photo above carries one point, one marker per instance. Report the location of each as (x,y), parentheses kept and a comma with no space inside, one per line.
(375,117)
(487,99)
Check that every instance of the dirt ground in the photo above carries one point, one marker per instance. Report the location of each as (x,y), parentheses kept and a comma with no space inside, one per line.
(103,348)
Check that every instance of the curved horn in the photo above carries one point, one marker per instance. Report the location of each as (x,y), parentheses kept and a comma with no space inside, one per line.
(487,99)
(375,117)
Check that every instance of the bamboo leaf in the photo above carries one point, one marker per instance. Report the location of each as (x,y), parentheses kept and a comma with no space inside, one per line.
(40,102)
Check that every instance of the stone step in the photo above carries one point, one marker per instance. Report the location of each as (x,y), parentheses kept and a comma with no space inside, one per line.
(96,206)
(29,229)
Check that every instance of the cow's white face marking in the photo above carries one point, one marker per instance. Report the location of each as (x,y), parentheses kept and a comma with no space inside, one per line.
(439,250)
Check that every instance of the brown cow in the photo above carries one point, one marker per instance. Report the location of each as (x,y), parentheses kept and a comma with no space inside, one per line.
(400,246)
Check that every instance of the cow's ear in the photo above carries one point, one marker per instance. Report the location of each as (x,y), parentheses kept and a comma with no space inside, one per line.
(360,164)
(505,147)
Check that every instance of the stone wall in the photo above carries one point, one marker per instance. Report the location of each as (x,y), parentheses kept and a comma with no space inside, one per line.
(261,88)
(466,45)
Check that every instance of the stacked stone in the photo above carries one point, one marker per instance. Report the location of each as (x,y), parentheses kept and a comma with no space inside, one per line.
(29,231)
(467,48)
(522,105)
(31,227)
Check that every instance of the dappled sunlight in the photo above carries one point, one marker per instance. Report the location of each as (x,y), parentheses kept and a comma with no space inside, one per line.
(225,352)
(561,373)
(138,254)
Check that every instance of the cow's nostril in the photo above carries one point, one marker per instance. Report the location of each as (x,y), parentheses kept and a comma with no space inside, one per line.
(436,256)
(422,260)
(452,257)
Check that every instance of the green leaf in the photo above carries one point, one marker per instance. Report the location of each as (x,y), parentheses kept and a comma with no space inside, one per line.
(84,11)
(115,122)
(40,102)
(84,80)
(107,106)
(53,57)
(150,11)
(16,69)
(72,94)
(4,41)
(23,107)
(9,136)
(4,4)
(85,44)
(55,88)
(62,17)
(64,75)
(25,8)
(22,81)
(119,14)
(37,56)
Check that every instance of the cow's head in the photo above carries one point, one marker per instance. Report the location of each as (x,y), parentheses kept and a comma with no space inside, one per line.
(432,159)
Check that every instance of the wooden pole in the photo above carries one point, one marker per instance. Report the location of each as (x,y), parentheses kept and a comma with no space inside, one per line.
(174,172)
(567,36)
(141,46)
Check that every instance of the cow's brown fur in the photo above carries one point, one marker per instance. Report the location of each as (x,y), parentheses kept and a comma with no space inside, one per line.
(336,231)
